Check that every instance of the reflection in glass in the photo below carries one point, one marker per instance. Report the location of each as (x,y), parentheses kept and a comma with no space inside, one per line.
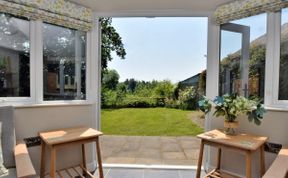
(231,73)
(14,56)
(230,79)
(283,77)
(64,61)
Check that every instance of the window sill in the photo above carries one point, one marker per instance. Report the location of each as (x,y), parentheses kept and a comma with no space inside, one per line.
(84,103)
(276,108)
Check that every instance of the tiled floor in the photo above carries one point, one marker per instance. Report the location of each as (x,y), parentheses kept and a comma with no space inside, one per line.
(148,173)
(150,150)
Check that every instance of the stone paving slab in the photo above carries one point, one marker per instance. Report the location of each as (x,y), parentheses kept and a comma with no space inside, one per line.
(150,150)
(148,173)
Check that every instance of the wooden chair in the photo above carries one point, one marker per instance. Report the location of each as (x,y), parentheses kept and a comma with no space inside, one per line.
(14,155)
(279,168)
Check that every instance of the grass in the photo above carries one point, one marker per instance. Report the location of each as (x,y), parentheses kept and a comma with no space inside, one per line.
(149,122)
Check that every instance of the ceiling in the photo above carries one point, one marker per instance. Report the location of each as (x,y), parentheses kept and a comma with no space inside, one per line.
(152,7)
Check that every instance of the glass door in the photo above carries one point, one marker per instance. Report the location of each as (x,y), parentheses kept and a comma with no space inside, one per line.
(234,59)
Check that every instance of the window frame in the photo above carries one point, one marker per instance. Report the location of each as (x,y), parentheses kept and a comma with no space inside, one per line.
(30,99)
(273,65)
(244,59)
(41,98)
(36,72)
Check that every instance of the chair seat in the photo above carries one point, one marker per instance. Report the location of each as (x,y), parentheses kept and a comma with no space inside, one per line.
(10,174)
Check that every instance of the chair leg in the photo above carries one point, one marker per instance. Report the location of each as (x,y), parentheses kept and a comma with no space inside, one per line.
(52,163)
(42,169)
(198,173)
(99,159)
(84,158)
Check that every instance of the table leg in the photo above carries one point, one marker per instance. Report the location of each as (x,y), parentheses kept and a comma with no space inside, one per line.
(200,160)
(248,164)
(262,160)
(52,162)
(219,158)
(99,159)
(42,169)
(84,158)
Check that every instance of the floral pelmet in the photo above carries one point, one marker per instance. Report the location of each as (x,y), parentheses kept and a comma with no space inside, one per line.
(57,12)
(245,8)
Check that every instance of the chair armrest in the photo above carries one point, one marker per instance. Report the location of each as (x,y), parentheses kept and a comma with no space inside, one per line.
(279,167)
(24,167)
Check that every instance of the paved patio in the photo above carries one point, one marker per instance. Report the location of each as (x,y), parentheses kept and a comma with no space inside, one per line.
(150,150)
(148,173)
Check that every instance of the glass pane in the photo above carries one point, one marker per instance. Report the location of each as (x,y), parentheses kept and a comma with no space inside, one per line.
(64,64)
(231,56)
(283,77)
(230,78)
(14,57)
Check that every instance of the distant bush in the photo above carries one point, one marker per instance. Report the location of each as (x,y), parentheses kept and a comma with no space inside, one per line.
(141,94)
(172,103)
(138,102)
(188,99)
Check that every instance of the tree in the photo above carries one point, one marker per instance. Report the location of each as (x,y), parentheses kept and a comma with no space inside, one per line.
(131,84)
(110,79)
(111,41)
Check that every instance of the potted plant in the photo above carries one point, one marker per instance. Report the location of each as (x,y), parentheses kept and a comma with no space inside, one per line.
(231,107)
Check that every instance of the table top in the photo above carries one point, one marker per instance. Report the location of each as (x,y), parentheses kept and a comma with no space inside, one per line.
(68,135)
(242,141)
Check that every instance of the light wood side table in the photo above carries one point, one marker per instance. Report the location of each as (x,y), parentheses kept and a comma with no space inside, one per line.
(67,137)
(244,143)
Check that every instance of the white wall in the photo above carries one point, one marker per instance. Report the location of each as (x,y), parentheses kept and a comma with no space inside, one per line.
(31,120)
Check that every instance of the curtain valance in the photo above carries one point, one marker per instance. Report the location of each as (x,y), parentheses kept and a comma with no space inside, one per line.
(245,8)
(59,12)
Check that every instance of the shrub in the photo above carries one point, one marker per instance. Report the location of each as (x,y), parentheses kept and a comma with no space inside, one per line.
(188,99)
(131,101)
(171,103)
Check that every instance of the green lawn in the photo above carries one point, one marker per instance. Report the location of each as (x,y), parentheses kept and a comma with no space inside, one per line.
(148,122)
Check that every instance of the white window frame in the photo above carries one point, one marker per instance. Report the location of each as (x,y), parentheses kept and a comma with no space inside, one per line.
(273,63)
(87,92)
(17,100)
(36,71)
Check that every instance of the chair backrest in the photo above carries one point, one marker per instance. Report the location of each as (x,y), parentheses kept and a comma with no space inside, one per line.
(8,140)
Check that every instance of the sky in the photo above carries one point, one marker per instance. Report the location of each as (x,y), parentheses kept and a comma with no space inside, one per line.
(173,48)
(161,48)
(231,42)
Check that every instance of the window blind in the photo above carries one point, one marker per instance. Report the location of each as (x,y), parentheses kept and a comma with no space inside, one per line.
(59,12)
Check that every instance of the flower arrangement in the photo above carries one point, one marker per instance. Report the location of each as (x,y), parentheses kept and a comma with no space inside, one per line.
(232,106)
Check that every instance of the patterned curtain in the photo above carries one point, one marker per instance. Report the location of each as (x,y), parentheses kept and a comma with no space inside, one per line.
(59,12)
(244,8)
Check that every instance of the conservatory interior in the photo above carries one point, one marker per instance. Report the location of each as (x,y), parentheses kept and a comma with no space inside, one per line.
(50,70)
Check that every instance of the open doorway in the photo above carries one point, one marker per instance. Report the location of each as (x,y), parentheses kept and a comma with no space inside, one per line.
(150,97)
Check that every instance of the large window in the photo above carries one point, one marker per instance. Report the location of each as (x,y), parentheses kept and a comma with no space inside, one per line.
(242,57)
(14,56)
(283,73)
(64,63)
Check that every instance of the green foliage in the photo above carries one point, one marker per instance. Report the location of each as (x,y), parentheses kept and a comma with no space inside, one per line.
(188,98)
(133,93)
(231,106)
(110,41)
(149,122)
(257,59)
(131,101)
(110,79)
(202,83)
(164,89)
(205,105)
